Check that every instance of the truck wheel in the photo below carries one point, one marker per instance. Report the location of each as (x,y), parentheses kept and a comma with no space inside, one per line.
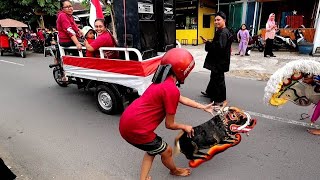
(107,100)
(57,75)
(1,53)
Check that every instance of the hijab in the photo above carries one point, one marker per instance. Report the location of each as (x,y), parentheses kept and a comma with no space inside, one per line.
(271,22)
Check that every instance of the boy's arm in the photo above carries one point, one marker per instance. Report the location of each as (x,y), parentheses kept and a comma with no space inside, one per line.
(88,46)
(188,102)
(171,124)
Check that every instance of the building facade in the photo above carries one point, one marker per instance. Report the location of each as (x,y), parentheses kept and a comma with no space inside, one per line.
(195,18)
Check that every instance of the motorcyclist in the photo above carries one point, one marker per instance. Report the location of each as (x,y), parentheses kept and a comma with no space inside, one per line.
(12,34)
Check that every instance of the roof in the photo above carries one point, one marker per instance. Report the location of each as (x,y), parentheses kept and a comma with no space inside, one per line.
(11,23)
(78,7)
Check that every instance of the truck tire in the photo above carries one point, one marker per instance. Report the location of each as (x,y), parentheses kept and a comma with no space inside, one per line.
(108,100)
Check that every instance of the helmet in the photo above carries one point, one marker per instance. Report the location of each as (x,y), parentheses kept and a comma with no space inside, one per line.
(85,30)
(181,62)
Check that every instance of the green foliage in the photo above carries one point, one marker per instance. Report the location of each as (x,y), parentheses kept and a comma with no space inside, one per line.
(86,3)
(24,10)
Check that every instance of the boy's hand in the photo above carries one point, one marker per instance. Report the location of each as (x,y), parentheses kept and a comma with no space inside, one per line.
(209,108)
(189,130)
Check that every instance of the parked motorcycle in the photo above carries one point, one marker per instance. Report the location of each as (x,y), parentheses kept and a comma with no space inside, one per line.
(300,40)
(255,42)
(281,42)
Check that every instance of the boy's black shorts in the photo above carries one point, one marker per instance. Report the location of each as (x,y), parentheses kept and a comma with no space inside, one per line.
(157,146)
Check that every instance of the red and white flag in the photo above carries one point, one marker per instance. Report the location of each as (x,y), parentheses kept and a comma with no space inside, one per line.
(133,74)
(95,12)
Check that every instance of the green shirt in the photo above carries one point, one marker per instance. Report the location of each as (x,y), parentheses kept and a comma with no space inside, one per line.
(15,35)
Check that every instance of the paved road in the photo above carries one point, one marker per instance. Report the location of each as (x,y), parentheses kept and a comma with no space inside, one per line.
(49,132)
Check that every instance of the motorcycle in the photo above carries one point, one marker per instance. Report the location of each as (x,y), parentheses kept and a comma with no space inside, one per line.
(19,48)
(255,41)
(12,45)
(300,40)
(281,42)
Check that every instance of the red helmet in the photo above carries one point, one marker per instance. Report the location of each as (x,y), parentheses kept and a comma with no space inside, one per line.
(181,61)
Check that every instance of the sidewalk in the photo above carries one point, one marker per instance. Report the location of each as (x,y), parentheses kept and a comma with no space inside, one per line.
(254,66)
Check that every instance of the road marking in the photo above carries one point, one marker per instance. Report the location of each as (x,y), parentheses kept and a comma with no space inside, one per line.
(12,63)
(284,120)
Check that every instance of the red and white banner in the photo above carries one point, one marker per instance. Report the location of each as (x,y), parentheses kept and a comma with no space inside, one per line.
(133,74)
(95,12)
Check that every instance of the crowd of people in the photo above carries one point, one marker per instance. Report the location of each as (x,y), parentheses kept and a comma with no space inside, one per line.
(32,40)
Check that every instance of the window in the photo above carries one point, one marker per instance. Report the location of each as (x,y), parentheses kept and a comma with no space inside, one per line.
(186,14)
(206,21)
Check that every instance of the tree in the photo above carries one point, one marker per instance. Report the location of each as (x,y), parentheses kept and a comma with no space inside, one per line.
(26,10)
(108,13)
(49,7)
(86,3)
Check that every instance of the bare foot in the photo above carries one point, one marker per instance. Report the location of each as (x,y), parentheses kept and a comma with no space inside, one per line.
(181,172)
(314,131)
(148,178)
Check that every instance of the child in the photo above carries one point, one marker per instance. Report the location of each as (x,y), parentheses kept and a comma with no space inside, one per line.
(158,102)
(89,35)
(243,39)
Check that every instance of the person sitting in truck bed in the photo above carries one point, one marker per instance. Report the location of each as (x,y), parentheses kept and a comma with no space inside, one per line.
(104,39)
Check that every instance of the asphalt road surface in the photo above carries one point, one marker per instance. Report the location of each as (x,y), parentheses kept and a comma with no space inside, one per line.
(49,132)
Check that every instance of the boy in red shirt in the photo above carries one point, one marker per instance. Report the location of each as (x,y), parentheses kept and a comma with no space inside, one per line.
(158,102)
(89,35)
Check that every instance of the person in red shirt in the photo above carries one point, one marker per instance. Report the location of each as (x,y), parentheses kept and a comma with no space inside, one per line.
(40,34)
(104,39)
(159,102)
(68,31)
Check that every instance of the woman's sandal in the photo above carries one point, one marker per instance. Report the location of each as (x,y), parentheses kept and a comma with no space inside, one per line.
(64,79)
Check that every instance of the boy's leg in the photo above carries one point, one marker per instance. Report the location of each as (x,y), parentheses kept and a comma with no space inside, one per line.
(158,146)
(167,160)
(146,166)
